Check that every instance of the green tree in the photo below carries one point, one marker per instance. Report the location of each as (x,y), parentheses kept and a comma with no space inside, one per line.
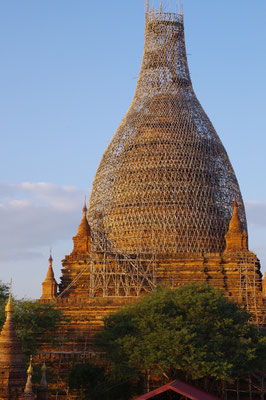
(87,378)
(34,322)
(97,382)
(194,331)
(4,291)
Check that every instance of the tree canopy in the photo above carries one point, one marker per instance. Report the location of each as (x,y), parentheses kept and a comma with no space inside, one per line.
(97,382)
(194,331)
(34,322)
(4,291)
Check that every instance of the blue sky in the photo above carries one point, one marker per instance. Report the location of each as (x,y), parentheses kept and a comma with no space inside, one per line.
(68,72)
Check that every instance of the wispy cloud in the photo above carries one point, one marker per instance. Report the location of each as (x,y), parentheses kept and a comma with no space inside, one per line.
(36,215)
(256,213)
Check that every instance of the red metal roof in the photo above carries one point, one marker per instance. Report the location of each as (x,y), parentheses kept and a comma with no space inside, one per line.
(190,391)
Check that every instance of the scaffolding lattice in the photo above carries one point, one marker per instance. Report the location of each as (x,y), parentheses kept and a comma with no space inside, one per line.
(114,273)
(249,285)
(165,183)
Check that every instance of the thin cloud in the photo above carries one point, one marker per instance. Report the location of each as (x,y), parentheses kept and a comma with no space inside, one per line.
(40,215)
(49,194)
(35,215)
(256,213)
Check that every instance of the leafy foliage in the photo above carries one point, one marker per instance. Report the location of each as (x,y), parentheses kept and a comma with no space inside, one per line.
(99,383)
(34,322)
(194,330)
(86,377)
(4,291)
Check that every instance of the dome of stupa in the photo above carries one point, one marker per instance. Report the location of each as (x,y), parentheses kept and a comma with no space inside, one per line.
(165,183)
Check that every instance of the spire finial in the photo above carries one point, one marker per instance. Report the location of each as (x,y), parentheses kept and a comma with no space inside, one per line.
(236,237)
(85,205)
(50,257)
(50,273)
(28,387)
(43,383)
(146,5)
(180,7)
(49,285)
(30,368)
(9,305)
(44,368)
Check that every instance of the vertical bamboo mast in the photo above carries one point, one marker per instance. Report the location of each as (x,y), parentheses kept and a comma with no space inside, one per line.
(146,6)
(180,7)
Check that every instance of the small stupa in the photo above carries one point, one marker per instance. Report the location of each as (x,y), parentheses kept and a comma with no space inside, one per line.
(43,388)
(82,240)
(236,238)
(12,368)
(49,285)
(28,391)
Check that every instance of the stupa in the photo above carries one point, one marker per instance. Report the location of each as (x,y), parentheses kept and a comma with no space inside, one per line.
(164,192)
(165,184)
(165,206)
(12,368)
